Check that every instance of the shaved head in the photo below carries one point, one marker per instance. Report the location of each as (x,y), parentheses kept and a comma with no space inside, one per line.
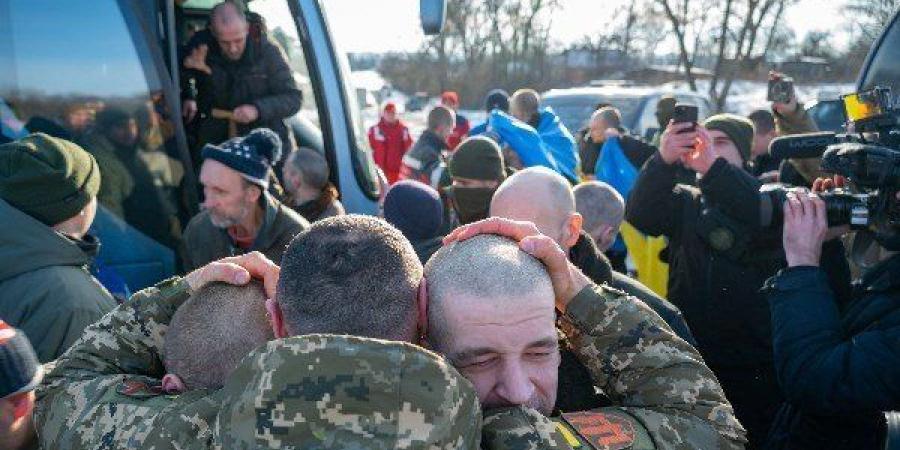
(213,330)
(489,268)
(600,204)
(538,195)
(491,312)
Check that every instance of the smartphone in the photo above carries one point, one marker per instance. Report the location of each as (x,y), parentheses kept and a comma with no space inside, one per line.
(781,90)
(684,113)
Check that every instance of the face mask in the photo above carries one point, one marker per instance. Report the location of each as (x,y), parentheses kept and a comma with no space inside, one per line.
(471,203)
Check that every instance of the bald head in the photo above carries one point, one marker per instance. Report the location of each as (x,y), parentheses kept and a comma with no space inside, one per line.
(541,196)
(602,208)
(229,26)
(489,270)
(524,104)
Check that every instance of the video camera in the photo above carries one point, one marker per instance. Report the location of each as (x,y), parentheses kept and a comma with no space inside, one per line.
(868,156)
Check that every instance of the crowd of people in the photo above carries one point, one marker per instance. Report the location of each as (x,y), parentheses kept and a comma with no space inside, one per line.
(492,304)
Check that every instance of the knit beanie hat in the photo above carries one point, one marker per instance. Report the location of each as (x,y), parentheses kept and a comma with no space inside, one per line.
(497,99)
(48,178)
(478,158)
(20,370)
(665,108)
(252,155)
(739,129)
(415,209)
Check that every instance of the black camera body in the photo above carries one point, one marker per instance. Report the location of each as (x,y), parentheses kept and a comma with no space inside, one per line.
(869,159)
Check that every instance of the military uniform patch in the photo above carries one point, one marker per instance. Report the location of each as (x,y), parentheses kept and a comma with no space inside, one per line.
(139,389)
(603,431)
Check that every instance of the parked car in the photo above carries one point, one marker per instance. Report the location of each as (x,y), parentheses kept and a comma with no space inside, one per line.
(637,105)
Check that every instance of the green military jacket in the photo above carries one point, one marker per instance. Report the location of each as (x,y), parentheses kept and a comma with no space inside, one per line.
(205,243)
(663,394)
(311,391)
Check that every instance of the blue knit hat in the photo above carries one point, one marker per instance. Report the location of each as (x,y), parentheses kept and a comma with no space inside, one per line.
(19,367)
(252,155)
(415,209)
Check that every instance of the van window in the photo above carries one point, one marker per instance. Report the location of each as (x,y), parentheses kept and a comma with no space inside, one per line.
(884,68)
(89,81)
(281,28)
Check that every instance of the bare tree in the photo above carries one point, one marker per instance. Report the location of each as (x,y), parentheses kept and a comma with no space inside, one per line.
(870,16)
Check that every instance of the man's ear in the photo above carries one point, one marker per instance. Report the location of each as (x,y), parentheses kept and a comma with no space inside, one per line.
(22,404)
(573,230)
(172,384)
(276,319)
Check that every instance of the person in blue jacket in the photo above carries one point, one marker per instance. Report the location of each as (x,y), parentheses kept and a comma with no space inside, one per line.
(537,135)
(496,99)
(839,365)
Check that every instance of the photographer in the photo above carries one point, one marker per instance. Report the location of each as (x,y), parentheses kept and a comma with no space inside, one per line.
(839,367)
(717,290)
(790,117)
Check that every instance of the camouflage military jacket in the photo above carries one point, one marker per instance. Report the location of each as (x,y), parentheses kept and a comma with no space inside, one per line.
(312,391)
(104,392)
(659,384)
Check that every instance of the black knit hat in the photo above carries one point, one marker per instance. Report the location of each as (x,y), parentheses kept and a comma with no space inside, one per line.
(20,370)
(252,155)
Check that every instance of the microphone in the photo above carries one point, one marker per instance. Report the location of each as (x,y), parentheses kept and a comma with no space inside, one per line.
(810,145)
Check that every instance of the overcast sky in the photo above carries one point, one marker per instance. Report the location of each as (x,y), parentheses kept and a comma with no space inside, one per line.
(370,26)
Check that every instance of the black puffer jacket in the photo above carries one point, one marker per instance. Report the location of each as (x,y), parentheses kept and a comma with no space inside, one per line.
(719,294)
(262,77)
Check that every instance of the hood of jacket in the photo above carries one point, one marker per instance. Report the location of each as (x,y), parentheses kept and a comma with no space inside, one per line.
(33,245)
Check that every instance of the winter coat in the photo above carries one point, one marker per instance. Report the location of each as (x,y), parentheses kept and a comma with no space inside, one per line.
(587,257)
(204,242)
(46,289)
(389,141)
(423,161)
(460,132)
(719,295)
(262,78)
(635,150)
(838,366)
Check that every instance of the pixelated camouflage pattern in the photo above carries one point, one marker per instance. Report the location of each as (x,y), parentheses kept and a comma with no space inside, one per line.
(78,403)
(649,372)
(520,428)
(327,391)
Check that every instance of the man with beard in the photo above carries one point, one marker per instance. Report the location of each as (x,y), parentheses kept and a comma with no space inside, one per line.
(239,215)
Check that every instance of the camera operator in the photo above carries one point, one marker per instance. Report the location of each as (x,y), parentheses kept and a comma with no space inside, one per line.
(790,117)
(719,257)
(839,367)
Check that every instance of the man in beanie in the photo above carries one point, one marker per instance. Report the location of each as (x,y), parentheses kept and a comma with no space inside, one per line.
(476,170)
(718,259)
(239,215)
(416,210)
(48,188)
(390,140)
(20,374)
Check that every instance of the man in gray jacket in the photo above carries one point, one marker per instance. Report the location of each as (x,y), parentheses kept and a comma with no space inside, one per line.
(48,199)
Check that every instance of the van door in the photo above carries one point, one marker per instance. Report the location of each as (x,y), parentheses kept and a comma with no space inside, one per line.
(87,71)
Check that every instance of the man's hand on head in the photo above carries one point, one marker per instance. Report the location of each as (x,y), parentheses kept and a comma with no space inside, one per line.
(567,280)
(197,60)
(237,270)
